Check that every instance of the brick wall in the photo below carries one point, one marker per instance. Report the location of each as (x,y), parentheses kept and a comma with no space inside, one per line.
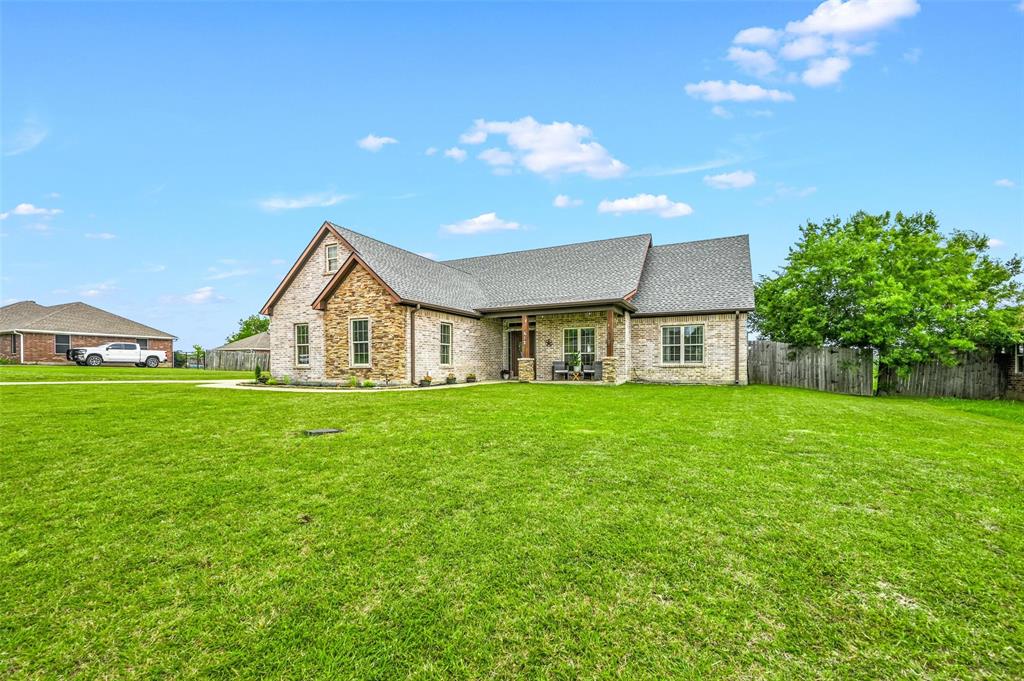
(295,307)
(719,351)
(6,350)
(550,338)
(476,346)
(360,295)
(40,347)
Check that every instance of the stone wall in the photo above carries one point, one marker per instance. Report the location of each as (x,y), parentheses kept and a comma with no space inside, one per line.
(550,337)
(719,351)
(476,346)
(295,307)
(360,295)
(40,348)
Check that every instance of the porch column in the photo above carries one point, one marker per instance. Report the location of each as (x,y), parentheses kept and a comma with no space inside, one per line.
(610,363)
(610,334)
(527,365)
(526,337)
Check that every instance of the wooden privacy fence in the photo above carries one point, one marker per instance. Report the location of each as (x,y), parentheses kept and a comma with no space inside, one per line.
(978,376)
(835,370)
(238,360)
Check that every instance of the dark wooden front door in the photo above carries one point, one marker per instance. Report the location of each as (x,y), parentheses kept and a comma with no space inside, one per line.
(515,349)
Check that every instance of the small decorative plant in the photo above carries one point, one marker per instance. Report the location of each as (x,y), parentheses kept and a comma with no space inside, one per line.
(576,360)
(353,381)
(450,378)
(470,378)
(271,381)
(426,380)
(260,377)
(285,380)
(369,384)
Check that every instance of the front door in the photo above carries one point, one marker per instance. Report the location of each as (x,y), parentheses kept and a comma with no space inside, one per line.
(515,349)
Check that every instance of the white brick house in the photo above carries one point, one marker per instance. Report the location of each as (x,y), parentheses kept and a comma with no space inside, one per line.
(612,310)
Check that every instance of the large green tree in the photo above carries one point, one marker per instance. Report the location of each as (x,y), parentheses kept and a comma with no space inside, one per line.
(894,284)
(250,326)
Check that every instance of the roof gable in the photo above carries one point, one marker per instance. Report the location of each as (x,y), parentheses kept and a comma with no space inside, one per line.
(73,318)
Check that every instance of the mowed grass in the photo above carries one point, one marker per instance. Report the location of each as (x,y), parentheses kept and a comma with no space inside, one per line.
(509,531)
(38,372)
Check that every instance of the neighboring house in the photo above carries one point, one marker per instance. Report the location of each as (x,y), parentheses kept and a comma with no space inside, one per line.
(355,306)
(245,353)
(38,334)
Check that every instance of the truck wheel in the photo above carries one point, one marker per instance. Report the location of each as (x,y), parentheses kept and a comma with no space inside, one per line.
(94,360)
(140,364)
(152,362)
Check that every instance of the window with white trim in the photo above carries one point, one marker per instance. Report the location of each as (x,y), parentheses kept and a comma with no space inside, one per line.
(581,341)
(683,344)
(359,340)
(61,344)
(302,344)
(332,258)
(446,343)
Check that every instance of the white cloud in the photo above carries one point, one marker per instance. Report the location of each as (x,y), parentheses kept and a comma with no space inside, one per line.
(566,201)
(201,295)
(684,170)
(825,71)
(734,180)
(995,243)
(756,62)
(94,290)
(804,47)
(456,154)
(1020,6)
(101,236)
(794,192)
(762,113)
(28,137)
(497,157)
(153,268)
(308,201)
(913,55)
(550,149)
(486,222)
(660,205)
(217,274)
(717,91)
(430,151)
(40,227)
(1005,182)
(374,143)
(835,17)
(758,35)
(53,195)
(721,111)
(855,49)
(29,209)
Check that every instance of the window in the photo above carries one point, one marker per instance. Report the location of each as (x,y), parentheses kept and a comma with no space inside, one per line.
(14,344)
(360,342)
(446,343)
(1019,359)
(578,340)
(682,344)
(302,344)
(143,343)
(61,344)
(332,258)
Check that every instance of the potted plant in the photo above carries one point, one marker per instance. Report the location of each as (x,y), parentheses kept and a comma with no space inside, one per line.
(576,360)
(505,374)
(426,381)
(450,379)
(470,378)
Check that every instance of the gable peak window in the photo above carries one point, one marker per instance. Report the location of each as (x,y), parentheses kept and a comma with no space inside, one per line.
(446,343)
(302,344)
(682,344)
(332,257)
(359,342)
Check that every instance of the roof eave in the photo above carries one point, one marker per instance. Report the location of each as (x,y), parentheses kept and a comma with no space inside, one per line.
(683,313)
(622,302)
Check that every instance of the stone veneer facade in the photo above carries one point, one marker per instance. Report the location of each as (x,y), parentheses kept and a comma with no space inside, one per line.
(719,363)
(361,296)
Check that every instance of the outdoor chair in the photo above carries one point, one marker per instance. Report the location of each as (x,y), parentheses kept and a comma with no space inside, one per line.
(559,370)
(588,371)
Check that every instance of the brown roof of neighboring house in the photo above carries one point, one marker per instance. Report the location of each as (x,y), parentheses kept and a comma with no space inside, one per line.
(72,318)
(260,341)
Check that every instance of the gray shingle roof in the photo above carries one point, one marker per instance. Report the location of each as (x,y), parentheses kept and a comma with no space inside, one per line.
(687,277)
(697,276)
(72,318)
(259,341)
(603,270)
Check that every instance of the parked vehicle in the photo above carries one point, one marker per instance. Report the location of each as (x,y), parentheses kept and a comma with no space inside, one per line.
(120,353)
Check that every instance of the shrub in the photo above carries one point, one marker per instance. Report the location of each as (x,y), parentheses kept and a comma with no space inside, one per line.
(271,381)
(369,384)
(285,380)
(470,378)
(353,381)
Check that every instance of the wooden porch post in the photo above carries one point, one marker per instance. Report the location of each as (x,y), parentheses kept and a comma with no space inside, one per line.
(526,337)
(610,334)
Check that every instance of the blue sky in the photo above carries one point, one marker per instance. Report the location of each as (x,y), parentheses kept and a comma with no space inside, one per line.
(169,161)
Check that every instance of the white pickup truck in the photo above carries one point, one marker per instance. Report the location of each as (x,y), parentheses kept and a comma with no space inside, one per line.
(121,353)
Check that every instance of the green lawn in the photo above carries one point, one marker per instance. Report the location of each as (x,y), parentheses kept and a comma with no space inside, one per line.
(508,531)
(35,372)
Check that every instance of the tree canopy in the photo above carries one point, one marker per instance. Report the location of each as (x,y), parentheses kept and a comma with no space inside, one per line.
(896,285)
(250,326)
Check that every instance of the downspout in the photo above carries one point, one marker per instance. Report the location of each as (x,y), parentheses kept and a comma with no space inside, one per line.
(736,344)
(21,346)
(412,344)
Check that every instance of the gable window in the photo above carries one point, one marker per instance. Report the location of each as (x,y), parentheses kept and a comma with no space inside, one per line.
(578,340)
(446,343)
(302,344)
(682,344)
(359,340)
(332,258)
(61,344)
(143,343)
